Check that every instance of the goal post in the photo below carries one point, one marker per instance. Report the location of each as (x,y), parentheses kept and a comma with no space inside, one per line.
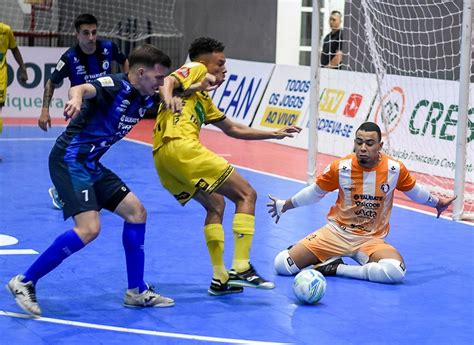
(459,211)
(411,60)
(314,95)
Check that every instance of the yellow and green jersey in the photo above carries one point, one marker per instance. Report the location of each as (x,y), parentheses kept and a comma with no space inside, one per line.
(198,109)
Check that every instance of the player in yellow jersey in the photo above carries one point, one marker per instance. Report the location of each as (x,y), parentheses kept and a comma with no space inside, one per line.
(358,222)
(188,170)
(7,41)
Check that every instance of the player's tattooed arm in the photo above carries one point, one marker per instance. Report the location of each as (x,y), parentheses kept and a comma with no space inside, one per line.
(44,120)
(48,93)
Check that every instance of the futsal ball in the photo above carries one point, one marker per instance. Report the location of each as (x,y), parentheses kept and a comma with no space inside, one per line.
(309,286)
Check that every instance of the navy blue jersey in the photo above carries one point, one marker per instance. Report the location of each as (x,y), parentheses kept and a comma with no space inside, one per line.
(81,68)
(103,120)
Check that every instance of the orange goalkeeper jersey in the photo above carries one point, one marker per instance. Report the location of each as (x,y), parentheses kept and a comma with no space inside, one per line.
(365,198)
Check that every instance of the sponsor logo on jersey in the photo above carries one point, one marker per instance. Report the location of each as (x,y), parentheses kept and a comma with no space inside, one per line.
(367,204)
(385,187)
(60,65)
(91,77)
(366,213)
(142,111)
(183,72)
(367,197)
(80,70)
(358,226)
(105,81)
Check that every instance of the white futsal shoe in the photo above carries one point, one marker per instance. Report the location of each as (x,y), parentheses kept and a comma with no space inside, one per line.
(25,295)
(148,298)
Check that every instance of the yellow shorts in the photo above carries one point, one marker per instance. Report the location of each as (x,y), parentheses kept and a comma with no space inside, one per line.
(186,166)
(3,84)
(326,242)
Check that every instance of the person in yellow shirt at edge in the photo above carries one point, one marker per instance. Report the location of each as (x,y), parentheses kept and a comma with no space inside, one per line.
(7,41)
(188,170)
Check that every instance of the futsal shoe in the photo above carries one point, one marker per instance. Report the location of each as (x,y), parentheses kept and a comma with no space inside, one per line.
(329,267)
(57,202)
(25,294)
(148,298)
(249,278)
(219,289)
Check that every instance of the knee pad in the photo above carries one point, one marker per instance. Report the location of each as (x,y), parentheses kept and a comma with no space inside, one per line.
(284,264)
(386,271)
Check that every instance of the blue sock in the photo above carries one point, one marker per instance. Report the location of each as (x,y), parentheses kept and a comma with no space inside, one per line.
(64,245)
(133,239)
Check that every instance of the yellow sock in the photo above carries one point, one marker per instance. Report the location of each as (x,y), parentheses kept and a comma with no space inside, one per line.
(243,227)
(214,234)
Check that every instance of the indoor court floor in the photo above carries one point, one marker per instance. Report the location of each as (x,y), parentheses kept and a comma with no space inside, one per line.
(82,299)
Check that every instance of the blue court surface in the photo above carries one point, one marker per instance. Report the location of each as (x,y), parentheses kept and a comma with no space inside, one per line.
(82,299)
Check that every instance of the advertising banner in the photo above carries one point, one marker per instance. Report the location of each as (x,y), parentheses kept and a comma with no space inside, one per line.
(238,97)
(345,101)
(418,117)
(26,100)
(285,102)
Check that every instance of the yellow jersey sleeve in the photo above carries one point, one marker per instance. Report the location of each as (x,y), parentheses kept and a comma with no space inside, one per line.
(214,114)
(190,74)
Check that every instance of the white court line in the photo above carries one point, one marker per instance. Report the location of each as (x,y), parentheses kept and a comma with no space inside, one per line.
(137,331)
(17,251)
(304,182)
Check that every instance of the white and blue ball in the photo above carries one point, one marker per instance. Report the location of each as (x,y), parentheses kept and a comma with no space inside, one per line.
(309,286)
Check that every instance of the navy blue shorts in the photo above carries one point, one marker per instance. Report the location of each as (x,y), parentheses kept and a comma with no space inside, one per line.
(85,188)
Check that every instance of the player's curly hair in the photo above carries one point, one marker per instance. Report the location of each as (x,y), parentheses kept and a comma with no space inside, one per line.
(204,45)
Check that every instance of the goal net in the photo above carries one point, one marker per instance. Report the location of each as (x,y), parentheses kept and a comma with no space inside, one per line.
(402,67)
(128,23)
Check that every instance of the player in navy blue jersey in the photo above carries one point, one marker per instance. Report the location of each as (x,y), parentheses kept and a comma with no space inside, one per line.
(89,59)
(101,112)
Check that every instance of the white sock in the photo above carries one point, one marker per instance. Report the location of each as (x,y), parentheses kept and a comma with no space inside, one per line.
(384,271)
